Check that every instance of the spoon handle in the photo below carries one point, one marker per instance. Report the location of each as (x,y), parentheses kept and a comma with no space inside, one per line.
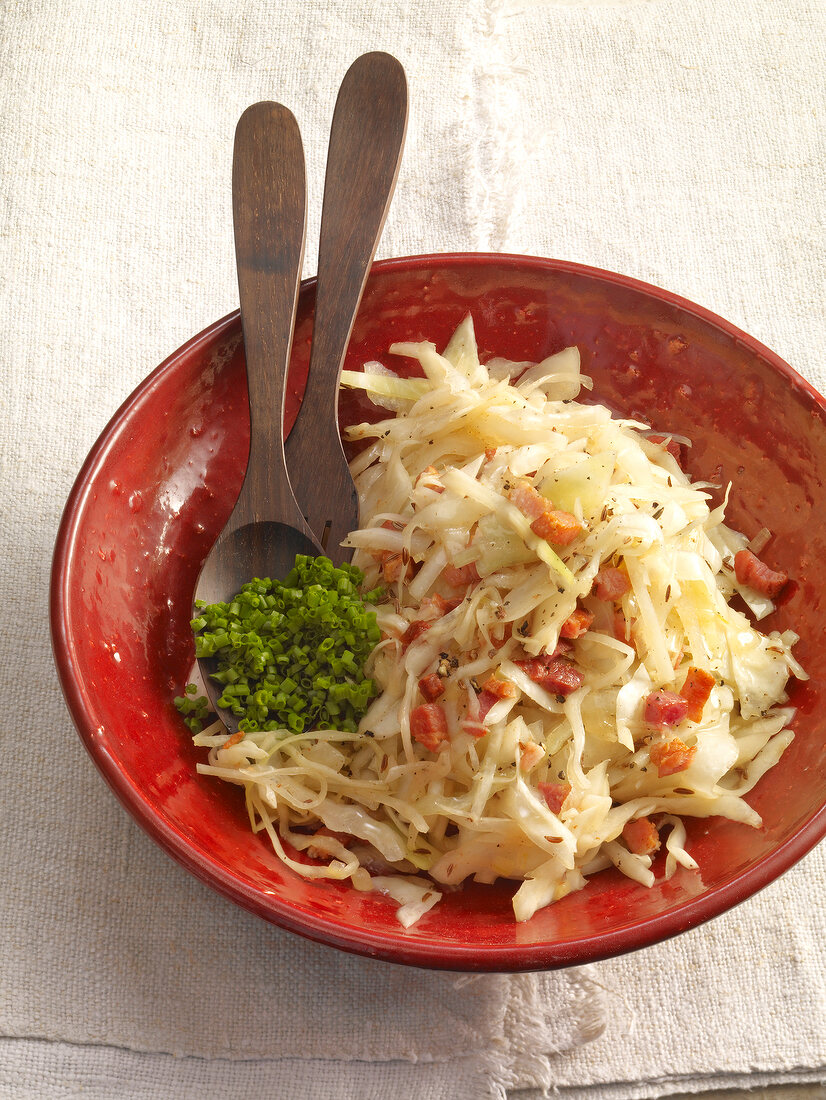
(366,140)
(269,207)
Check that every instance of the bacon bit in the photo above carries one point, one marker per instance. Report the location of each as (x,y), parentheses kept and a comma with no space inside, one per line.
(461,577)
(486,699)
(611,583)
(576,624)
(751,571)
(489,453)
(233,740)
(554,794)
(549,523)
(433,607)
(428,725)
(474,728)
(672,446)
(529,755)
(430,472)
(696,691)
(507,634)
(664,709)
(392,567)
(555,674)
(319,853)
(556,527)
(672,756)
(502,689)
(641,837)
(431,687)
(414,631)
(530,503)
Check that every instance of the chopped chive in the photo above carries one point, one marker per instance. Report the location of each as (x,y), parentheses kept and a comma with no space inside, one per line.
(290,654)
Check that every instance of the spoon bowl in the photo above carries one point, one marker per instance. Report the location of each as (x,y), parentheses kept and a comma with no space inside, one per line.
(264,549)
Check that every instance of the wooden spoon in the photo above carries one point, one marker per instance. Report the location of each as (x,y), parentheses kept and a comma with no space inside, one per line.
(266,529)
(366,139)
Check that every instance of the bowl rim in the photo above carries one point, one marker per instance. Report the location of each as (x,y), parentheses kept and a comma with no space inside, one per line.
(396,946)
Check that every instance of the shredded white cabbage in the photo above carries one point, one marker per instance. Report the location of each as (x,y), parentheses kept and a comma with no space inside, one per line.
(527,779)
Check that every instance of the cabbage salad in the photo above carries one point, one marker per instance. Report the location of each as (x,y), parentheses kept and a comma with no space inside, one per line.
(561,677)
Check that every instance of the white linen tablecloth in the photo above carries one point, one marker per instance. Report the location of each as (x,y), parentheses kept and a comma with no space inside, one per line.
(677,142)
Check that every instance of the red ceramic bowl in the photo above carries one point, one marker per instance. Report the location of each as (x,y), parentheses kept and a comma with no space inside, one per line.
(160,481)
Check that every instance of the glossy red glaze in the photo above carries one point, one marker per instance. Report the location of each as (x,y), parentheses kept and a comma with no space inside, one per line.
(160,481)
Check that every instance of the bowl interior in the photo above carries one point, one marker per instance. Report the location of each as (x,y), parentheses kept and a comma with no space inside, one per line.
(161,480)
